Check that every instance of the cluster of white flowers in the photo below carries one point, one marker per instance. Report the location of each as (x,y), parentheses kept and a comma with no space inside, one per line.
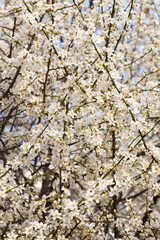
(79,119)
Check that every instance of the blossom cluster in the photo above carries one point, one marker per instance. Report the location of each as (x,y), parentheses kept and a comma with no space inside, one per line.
(79,119)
